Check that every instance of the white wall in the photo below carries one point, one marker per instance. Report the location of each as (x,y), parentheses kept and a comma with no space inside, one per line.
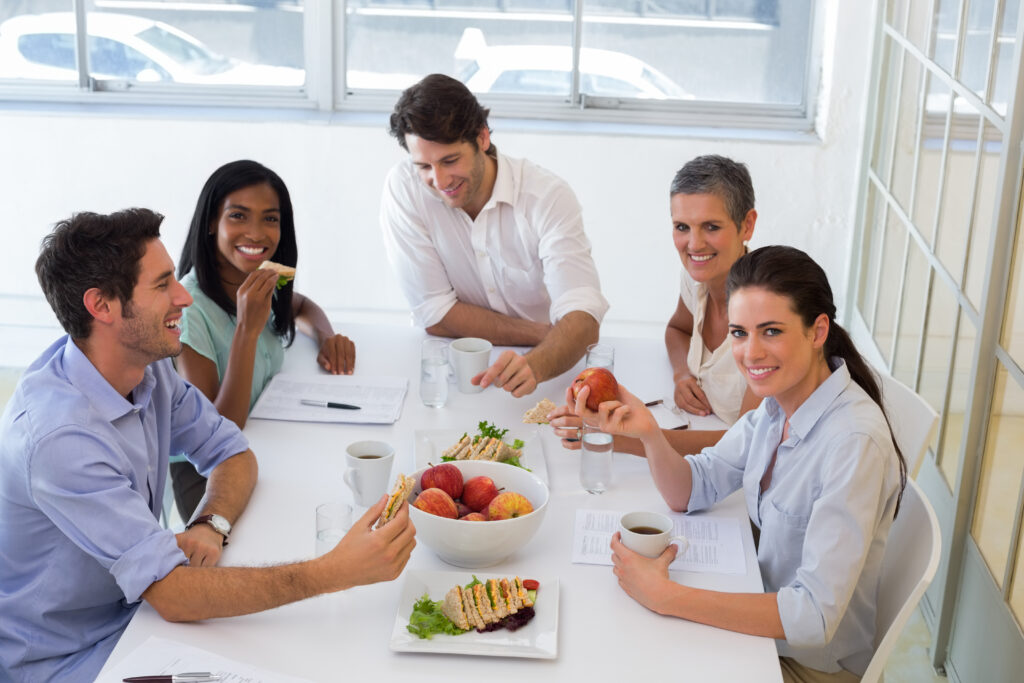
(54,164)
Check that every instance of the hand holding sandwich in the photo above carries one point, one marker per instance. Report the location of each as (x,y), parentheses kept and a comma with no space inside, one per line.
(368,555)
(253,300)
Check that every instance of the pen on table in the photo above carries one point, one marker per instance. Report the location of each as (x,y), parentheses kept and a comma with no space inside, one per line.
(651,404)
(328,404)
(190,677)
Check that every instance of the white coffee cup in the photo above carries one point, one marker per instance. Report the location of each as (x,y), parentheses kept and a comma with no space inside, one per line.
(469,356)
(369,470)
(649,533)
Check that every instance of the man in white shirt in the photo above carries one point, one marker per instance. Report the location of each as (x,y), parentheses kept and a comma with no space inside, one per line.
(485,245)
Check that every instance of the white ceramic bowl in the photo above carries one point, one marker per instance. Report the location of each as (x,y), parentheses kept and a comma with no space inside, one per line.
(482,544)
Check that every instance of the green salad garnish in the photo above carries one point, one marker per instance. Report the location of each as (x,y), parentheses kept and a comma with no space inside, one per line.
(427,620)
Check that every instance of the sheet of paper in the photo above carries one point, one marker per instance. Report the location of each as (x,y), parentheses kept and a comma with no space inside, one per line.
(379,399)
(715,542)
(158,656)
(668,417)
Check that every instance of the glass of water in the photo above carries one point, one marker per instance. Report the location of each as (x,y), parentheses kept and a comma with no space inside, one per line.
(601,356)
(596,460)
(434,372)
(333,520)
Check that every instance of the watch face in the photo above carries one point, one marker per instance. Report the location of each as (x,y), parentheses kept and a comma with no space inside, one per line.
(220,524)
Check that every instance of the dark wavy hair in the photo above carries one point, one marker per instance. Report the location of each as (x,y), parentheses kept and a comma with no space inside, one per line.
(200,250)
(93,250)
(720,176)
(439,108)
(789,272)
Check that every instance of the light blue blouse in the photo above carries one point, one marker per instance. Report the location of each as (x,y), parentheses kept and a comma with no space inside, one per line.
(208,330)
(824,519)
(82,474)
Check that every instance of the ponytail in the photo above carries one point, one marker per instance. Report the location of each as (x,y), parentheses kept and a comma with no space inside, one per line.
(791,273)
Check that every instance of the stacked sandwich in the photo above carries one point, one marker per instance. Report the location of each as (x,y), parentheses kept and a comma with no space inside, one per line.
(481,448)
(490,605)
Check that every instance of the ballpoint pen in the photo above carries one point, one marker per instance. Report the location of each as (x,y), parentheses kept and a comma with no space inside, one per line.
(328,404)
(189,677)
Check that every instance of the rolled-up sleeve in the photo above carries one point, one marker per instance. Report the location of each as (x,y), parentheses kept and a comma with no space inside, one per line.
(570,275)
(839,533)
(94,504)
(413,256)
(717,470)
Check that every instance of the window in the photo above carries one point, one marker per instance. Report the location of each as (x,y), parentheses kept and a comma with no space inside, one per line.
(668,61)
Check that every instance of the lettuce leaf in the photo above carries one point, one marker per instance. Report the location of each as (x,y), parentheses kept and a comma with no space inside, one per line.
(427,619)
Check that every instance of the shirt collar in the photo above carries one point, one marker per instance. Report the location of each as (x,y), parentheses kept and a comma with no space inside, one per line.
(811,410)
(504,183)
(109,404)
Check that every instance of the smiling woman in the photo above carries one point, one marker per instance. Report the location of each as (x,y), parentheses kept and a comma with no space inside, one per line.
(234,334)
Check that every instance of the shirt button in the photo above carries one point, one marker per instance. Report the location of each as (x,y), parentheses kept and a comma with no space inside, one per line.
(491,290)
(481,254)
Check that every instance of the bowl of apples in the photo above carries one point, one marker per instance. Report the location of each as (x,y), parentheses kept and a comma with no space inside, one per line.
(475,513)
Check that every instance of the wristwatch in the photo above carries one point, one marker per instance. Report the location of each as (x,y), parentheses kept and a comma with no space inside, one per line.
(219,524)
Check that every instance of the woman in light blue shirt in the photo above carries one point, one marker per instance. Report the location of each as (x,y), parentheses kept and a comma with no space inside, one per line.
(818,465)
(235,331)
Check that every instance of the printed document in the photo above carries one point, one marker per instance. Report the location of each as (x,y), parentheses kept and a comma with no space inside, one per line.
(379,399)
(715,542)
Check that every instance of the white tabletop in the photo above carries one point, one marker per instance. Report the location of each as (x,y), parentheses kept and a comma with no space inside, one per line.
(603,634)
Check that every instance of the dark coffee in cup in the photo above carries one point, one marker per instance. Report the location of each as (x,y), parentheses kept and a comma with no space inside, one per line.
(649,530)
(367,457)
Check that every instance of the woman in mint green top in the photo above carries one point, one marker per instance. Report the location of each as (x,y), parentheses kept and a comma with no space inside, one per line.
(234,334)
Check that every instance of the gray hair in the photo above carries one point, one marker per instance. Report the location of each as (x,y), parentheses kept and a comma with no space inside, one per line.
(720,176)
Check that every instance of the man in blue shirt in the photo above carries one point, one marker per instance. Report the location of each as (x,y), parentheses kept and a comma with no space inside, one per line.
(84,444)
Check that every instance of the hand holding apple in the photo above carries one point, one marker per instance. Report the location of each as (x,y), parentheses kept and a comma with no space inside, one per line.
(625,417)
(601,383)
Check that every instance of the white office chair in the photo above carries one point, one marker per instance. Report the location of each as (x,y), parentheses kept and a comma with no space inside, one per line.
(913,420)
(910,562)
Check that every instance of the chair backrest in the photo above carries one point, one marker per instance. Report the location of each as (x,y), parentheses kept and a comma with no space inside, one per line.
(908,567)
(913,420)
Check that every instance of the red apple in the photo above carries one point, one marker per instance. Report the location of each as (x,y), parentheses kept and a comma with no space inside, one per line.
(463,509)
(474,517)
(437,502)
(478,492)
(603,386)
(446,477)
(509,505)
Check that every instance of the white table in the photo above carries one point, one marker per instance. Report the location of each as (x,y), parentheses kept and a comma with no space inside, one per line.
(603,634)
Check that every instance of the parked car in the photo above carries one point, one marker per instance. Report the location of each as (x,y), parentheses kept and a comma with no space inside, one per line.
(547,70)
(123,46)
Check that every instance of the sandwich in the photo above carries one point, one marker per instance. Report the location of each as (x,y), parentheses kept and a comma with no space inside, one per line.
(401,491)
(463,445)
(538,414)
(486,606)
(285,274)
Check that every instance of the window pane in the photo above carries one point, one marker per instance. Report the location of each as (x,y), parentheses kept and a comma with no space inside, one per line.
(888,99)
(929,167)
(912,311)
(938,350)
(201,43)
(1001,469)
(919,22)
(906,133)
(29,50)
(1017,585)
(984,216)
(1013,328)
(896,14)
(874,218)
(954,217)
(953,420)
(944,26)
(1004,57)
(974,65)
(759,58)
(889,285)
(510,49)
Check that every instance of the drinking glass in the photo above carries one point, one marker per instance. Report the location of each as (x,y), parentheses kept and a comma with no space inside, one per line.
(434,372)
(333,520)
(601,356)
(596,460)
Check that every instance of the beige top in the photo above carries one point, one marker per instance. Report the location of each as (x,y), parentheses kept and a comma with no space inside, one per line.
(719,378)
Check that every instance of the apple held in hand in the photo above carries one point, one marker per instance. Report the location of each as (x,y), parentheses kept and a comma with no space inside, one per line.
(508,505)
(478,492)
(446,477)
(437,502)
(603,386)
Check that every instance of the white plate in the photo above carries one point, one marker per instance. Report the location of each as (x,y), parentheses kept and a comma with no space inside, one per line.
(537,639)
(431,443)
